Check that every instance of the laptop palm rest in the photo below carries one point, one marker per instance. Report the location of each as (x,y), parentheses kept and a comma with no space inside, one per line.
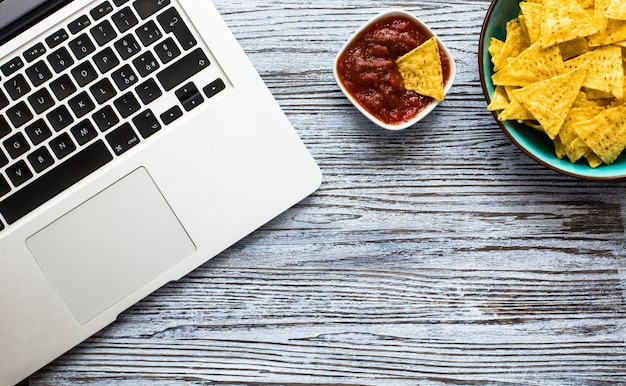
(111,245)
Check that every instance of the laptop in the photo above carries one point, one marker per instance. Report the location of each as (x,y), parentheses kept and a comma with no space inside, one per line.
(136,142)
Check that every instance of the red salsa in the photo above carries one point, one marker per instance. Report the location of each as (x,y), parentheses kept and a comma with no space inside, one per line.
(368,71)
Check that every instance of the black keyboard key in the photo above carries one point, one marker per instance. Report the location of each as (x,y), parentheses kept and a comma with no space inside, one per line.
(55,181)
(103,33)
(34,52)
(146,64)
(171,115)
(84,132)
(105,118)
(63,87)
(148,33)
(106,60)
(19,114)
(62,146)
(82,46)
(40,159)
(122,139)
(16,145)
(60,60)
(41,101)
(57,38)
(81,104)
(214,87)
(12,66)
(103,91)
(19,173)
(38,131)
(148,91)
(84,74)
(17,87)
(127,105)
(146,123)
(119,3)
(189,96)
(183,69)
(147,8)
(5,129)
(38,73)
(124,19)
(101,11)
(171,22)
(167,50)
(79,24)
(60,118)
(4,160)
(124,77)
(4,187)
(4,102)
(127,46)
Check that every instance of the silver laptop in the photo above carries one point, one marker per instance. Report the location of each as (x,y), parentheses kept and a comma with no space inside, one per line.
(136,142)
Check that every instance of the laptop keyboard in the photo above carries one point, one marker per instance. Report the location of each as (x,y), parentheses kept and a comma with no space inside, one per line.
(92,89)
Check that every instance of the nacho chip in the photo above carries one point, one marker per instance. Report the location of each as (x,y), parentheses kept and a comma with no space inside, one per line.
(513,44)
(532,19)
(564,20)
(550,100)
(421,70)
(600,18)
(593,160)
(575,147)
(605,134)
(515,111)
(606,73)
(495,48)
(614,32)
(532,65)
(499,101)
(616,10)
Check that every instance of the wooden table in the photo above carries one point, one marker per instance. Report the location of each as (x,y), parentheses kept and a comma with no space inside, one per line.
(437,255)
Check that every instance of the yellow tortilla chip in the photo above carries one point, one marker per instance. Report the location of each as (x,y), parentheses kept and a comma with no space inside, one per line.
(559,149)
(515,111)
(616,10)
(532,65)
(564,20)
(593,160)
(606,73)
(495,48)
(532,19)
(499,101)
(600,18)
(550,100)
(614,32)
(605,134)
(575,147)
(513,44)
(421,70)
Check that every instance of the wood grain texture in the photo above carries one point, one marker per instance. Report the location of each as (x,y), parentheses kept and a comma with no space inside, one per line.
(437,255)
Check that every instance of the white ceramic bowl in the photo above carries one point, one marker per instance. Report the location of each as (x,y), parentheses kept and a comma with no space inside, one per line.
(427,109)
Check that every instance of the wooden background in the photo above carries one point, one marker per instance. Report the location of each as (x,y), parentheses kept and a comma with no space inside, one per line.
(437,255)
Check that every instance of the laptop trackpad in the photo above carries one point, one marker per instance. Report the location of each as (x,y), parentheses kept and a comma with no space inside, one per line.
(111,245)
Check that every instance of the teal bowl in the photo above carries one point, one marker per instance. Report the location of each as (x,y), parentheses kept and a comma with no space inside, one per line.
(534,143)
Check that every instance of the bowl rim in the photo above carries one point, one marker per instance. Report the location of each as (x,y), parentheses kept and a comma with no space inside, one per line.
(483,55)
(425,111)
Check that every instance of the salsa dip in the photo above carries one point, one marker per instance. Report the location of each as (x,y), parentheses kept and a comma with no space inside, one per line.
(366,69)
